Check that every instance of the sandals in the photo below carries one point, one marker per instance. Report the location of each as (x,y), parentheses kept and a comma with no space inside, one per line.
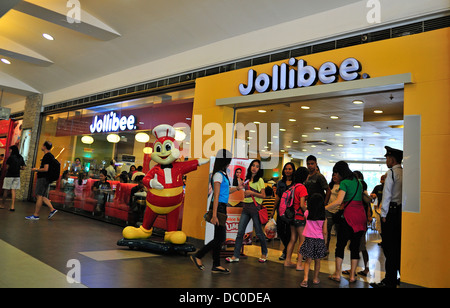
(304,284)
(216,270)
(331,277)
(194,260)
(231,260)
(262,260)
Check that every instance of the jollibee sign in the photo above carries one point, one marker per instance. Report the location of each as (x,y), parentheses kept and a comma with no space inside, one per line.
(297,74)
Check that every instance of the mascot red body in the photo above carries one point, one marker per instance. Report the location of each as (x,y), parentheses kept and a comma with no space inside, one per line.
(165,187)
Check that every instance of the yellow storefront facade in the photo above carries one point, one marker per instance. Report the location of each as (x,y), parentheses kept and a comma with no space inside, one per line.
(419,64)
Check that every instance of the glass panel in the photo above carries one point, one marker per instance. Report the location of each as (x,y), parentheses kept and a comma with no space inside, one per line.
(82,144)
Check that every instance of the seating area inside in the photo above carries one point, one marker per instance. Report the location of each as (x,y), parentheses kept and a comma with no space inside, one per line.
(115,205)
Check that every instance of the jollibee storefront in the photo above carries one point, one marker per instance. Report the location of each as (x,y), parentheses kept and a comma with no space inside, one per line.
(415,67)
(86,140)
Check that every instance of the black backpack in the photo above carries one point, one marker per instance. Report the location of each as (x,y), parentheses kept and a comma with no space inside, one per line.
(54,170)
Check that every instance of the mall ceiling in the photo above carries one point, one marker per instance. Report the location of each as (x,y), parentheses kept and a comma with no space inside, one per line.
(332,129)
(114,35)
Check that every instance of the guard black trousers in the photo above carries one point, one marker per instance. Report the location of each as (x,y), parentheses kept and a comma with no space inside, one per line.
(391,233)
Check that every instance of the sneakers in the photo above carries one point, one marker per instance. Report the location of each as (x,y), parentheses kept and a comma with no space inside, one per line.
(32,217)
(52,213)
(231,260)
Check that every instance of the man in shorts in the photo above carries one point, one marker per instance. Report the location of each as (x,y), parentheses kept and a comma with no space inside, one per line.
(42,183)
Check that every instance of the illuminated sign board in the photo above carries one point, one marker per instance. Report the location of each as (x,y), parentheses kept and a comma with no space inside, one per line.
(297,74)
(112,123)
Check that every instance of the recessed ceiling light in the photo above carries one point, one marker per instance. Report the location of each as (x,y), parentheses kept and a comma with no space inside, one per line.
(303,150)
(48,36)
(256,122)
(340,145)
(376,133)
(292,120)
(295,141)
(357,126)
(358,102)
(282,129)
(317,128)
(5,61)
(337,134)
(334,117)
(378,111)
(313,146)
(304,136)
(392,139)
(305,107)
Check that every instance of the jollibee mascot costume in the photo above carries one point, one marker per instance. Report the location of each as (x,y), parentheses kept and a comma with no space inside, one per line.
(165,187)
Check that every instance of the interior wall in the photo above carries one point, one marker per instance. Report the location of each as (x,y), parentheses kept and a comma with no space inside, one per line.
(425,254)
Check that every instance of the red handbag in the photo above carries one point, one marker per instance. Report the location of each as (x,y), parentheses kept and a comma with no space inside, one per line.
(263,214)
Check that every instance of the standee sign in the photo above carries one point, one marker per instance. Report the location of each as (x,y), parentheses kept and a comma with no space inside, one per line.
(297,74)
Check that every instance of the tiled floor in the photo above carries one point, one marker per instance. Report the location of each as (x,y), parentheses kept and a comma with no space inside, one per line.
(45,253)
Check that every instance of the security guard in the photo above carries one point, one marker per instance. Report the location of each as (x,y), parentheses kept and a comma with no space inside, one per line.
(391,217)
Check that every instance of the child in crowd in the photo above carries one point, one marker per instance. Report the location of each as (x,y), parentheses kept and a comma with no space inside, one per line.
(315,233)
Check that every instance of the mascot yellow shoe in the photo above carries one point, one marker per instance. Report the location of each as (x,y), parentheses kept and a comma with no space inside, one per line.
(175,237)
(132,233)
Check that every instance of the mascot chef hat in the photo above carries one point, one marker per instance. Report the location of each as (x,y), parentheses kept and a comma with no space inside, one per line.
(164,132)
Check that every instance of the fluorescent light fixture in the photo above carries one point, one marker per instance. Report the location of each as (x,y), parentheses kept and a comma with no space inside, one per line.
(48,36)
(5,61)
(358,102)
(378,111)
(142,137)
(305,107)
(87,139)
(113,138)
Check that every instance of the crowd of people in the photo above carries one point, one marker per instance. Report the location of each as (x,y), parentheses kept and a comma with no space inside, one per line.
(343,203)
(318,206)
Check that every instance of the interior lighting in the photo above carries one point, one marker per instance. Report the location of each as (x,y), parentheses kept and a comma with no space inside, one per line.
(148,150)
(48,36)
(87,140)
(292,120)
(357,126)
(180,135)
(317,128)
(376,133)
(305,107)
(113,138)
(378,111)
(282,129)
(358,102)
(334,117)
(142,137)
(262,111)
(5,61)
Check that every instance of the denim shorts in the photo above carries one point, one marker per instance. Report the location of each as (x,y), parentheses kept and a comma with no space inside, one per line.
(298,223)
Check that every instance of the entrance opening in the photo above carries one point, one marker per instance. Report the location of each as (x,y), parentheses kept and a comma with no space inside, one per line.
(353,128)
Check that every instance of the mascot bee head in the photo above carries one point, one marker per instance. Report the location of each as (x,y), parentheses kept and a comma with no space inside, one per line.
(165,148)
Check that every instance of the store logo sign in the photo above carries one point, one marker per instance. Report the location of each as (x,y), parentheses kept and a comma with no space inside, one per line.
(298,74)
(112,123)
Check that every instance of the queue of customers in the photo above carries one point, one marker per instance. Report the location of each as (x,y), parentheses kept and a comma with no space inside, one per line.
(344,203)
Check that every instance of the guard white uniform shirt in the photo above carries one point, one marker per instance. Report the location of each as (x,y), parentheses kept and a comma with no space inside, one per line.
(392,191)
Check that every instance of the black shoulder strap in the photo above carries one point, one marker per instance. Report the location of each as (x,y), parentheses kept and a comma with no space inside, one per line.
(353,195)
